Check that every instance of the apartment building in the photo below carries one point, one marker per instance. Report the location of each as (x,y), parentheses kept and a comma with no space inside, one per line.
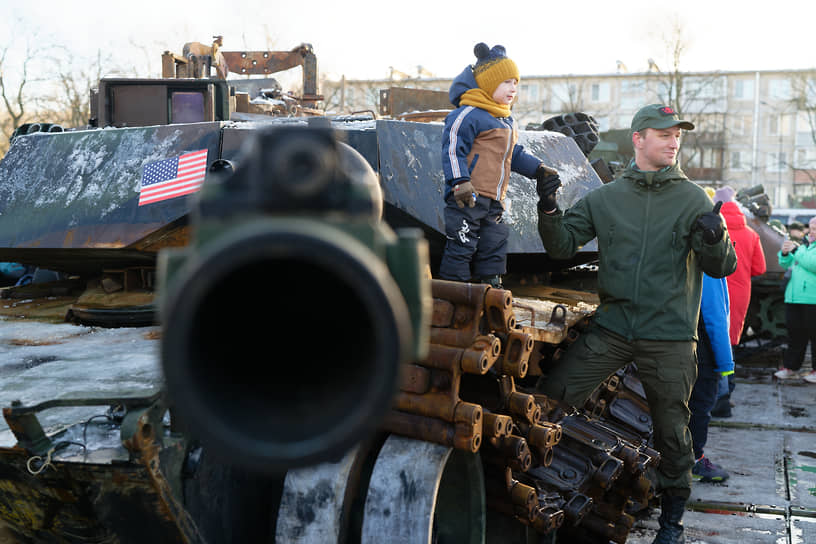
(752,126)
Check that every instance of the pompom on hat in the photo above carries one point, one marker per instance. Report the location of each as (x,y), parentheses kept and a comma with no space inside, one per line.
(492,67)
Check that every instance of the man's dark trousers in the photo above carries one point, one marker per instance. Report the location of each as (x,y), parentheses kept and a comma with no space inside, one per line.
(667,370)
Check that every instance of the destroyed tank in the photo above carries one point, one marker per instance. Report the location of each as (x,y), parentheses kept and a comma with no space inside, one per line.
(317,384)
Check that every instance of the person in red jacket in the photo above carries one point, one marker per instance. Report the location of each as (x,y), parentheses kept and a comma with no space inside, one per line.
(750,263)
(750,260)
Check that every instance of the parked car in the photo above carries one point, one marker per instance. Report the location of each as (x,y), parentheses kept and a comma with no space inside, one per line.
(789,215)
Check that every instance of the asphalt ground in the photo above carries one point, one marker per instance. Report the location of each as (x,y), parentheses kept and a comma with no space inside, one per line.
(769,448)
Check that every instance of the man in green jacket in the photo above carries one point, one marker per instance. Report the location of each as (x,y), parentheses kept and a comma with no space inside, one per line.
(656,235)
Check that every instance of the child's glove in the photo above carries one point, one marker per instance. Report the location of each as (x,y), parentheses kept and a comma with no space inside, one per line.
(547,183)
(711,223)
(464,193)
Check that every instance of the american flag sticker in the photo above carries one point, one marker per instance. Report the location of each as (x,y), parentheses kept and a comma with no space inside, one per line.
(171,178)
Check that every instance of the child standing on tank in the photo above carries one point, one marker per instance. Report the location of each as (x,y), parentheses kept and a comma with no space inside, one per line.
(479,150)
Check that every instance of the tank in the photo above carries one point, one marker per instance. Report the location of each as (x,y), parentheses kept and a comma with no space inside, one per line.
(316,384)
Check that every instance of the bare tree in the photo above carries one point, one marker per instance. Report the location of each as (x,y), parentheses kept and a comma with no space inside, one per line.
(67,101)
(699,95)
(14,94)
(804,96)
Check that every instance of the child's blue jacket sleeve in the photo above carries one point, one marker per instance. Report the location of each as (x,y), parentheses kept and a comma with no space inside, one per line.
(714,309)
(523,162)
(457,141)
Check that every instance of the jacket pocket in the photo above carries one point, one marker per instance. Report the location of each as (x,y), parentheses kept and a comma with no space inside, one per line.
(593,344)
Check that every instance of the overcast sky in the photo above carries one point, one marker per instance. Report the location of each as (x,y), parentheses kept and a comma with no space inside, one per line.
(363,39)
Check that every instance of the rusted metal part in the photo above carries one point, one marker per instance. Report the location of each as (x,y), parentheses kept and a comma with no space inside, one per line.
(549,321)
(577,506)
(507,495)
(145,443)
(508,451)
(524,504)
(458,435)
(270,62)
(27,430)
(517,349)
(544,462)
(396,101)
(544,434)
(265,62)
(499,310)
(439,405)
(496,425)
(126,499)
(457,323)
(415,379)
(520,494)
(477,359)
(523,406)
(547,519)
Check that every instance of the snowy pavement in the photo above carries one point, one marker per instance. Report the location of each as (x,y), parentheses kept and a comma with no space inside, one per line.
(44,361)
(769,448)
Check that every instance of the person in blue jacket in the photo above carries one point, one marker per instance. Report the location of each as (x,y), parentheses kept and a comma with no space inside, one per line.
(479,150)
(714,359)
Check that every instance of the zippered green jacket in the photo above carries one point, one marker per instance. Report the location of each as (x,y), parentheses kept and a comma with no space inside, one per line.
(651,257)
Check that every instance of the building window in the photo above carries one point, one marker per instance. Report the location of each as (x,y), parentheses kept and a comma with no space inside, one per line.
(740,160)
(694,159)
(600,92)
(805,130)
(565,95)
(779,123)
(742,125)
(775,162)
(805,159)
(743,89)
(633,94)
(779,89)
(528,92)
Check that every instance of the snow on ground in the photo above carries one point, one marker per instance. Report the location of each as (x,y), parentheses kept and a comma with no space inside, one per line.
(42,361)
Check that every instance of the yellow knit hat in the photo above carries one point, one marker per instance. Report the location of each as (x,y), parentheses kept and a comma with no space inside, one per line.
(493,67)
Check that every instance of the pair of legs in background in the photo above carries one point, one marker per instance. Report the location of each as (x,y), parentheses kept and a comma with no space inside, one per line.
(800,320)
(704,396)
(667,370)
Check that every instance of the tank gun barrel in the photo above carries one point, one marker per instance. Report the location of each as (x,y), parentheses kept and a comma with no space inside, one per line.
(749,192)
(288,238)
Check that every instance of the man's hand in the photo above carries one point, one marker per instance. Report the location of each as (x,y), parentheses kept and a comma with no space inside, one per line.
(464,194)
(711,223)
(547,183)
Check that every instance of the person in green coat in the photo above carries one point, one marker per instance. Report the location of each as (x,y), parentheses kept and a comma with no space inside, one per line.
(800,304)
(657,234)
